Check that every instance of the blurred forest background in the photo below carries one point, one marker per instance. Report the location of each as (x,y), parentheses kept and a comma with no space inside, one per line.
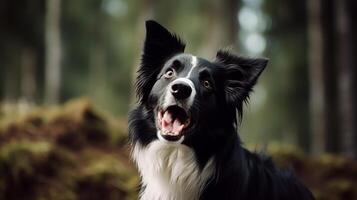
(303,109)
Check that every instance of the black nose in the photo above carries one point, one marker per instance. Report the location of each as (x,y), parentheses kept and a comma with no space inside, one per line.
(181,90)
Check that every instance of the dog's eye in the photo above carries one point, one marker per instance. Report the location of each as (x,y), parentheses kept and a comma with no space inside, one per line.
(207,84)
(169,73)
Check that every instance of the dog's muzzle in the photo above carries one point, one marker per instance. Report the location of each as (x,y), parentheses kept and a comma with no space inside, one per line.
(173,116)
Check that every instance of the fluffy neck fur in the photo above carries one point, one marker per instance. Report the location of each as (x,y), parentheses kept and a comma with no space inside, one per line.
(170,171)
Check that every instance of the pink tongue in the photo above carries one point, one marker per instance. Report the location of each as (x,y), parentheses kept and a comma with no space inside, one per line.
(169,126)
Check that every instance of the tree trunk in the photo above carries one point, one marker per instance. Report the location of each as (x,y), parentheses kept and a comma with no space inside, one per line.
(351,9)
(53,51)
(333,76)
(232,7)
(222,20)
(28,78)
(332,143)
(317,102)
(323,101)
(347,91)
(11,78)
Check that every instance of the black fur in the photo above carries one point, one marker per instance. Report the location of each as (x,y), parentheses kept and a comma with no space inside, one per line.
(239,174)
(159,45)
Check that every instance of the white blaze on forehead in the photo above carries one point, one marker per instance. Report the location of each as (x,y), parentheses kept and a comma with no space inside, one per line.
(193,65)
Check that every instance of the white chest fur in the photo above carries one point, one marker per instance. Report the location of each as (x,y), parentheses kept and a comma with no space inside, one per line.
(170,172)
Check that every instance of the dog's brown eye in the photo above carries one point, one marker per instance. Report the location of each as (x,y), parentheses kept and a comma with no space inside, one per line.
(207,84)
(169,73)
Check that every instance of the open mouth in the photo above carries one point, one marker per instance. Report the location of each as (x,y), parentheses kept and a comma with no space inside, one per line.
(172,122)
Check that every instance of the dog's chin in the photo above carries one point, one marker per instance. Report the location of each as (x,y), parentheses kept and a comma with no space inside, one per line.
(172,123)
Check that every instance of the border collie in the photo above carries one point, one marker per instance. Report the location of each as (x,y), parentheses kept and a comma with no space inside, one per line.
(183,132)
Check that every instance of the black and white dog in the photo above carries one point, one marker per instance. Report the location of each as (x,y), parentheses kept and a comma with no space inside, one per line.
(183,130)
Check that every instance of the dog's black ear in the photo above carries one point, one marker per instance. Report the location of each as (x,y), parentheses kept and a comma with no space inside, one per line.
(159,46)
(241,74)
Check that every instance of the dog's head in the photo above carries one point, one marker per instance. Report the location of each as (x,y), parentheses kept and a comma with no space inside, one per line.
(186,93)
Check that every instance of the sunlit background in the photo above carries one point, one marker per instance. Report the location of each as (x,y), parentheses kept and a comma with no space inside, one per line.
(86,52)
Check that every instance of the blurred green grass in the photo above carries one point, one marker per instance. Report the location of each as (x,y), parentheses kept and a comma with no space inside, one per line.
(74,151)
